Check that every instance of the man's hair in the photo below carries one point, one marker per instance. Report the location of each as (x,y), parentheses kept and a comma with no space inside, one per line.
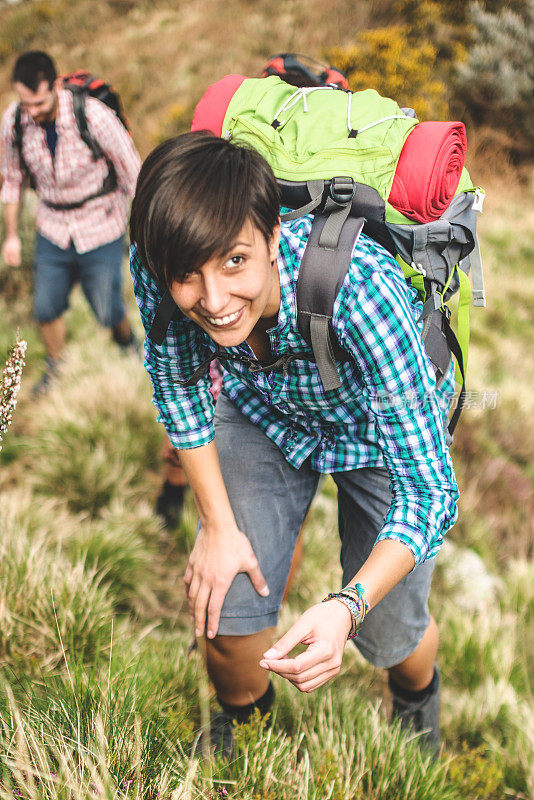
(194,194)
(33,67)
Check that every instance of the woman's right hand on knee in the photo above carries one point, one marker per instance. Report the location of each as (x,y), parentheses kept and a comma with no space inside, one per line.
(213,564)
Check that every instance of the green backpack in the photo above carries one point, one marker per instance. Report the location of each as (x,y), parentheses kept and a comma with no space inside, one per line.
(334,154)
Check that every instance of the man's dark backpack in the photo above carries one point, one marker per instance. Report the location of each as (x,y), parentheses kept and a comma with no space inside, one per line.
(81,84)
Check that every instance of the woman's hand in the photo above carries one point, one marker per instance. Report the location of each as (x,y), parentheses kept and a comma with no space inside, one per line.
(324,628)
(214,562)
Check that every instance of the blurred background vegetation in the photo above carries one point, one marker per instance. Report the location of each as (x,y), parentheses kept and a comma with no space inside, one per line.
(472,60)
(99,693)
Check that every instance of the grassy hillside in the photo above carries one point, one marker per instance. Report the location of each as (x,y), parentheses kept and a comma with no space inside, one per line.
(100,692)
(98,685)
(161,55)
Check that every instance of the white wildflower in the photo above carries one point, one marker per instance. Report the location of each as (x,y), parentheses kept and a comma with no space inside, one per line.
(10,384)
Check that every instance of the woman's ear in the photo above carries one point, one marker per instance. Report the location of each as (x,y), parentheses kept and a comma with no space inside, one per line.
(274,243)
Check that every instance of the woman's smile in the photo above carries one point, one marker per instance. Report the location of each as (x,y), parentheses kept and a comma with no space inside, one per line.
(227,320)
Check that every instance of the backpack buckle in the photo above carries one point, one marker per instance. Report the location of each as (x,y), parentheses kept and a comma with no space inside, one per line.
(478,201)
(342,190)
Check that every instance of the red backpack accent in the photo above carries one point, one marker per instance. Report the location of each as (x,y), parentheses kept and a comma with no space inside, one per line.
(300,70)
(211,108)
(90,85)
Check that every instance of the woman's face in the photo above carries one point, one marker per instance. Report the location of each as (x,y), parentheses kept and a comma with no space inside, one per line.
(229,294)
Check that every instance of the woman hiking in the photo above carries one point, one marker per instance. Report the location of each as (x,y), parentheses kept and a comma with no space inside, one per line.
(206,234)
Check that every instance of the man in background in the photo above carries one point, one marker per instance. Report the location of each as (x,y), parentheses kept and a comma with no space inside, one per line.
(83,205)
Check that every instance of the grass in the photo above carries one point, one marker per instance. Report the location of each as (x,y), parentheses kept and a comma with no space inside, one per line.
(100,695)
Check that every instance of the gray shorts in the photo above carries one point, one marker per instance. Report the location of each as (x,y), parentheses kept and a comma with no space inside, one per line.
(270,499)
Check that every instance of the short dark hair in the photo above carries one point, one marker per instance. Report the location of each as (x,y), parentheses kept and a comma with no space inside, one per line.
(33,67)
(194,194)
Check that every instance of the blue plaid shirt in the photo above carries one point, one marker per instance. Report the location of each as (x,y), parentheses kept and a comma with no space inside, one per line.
(387,409)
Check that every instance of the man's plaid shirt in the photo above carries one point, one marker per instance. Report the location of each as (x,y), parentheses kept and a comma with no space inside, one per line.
(387,409)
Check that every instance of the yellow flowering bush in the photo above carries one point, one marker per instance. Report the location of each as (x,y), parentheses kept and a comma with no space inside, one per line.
(387,60)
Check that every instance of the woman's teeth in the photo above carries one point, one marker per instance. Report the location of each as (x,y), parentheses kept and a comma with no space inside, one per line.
(224,320)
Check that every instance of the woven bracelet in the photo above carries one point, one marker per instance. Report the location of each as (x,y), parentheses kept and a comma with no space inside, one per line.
(353,598)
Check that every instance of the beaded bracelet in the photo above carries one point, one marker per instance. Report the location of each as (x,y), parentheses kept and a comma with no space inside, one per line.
(352,597)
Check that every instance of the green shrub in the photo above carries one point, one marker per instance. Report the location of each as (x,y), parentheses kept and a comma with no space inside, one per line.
(478,776)
(453,11)
(496,81)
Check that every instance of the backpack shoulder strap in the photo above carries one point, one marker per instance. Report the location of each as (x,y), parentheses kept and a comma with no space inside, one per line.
(162,319)
(17,138)
(17,129)
(78,108)
(17,144)
(322,272)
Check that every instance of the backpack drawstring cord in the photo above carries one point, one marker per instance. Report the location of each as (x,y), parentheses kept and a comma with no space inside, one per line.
(300,94)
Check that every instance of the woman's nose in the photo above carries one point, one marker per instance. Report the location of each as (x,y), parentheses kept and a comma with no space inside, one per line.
(214,298)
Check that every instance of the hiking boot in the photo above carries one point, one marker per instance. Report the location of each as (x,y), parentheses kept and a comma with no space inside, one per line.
(130,347)
(223,722)
(222,741)
(419,715)
(222,735)
(47,379)
(170,504)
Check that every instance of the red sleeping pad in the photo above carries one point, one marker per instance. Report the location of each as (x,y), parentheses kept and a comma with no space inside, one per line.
(429,169)
(211,108)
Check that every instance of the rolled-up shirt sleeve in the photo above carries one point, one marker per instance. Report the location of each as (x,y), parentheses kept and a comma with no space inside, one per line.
(375,321)
(186,413)
(12,176)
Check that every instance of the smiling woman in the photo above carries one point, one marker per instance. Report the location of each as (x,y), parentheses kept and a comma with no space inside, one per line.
(208,247)
(229,294)
(216,251)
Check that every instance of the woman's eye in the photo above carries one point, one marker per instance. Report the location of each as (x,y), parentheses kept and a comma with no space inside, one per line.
(235,261)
